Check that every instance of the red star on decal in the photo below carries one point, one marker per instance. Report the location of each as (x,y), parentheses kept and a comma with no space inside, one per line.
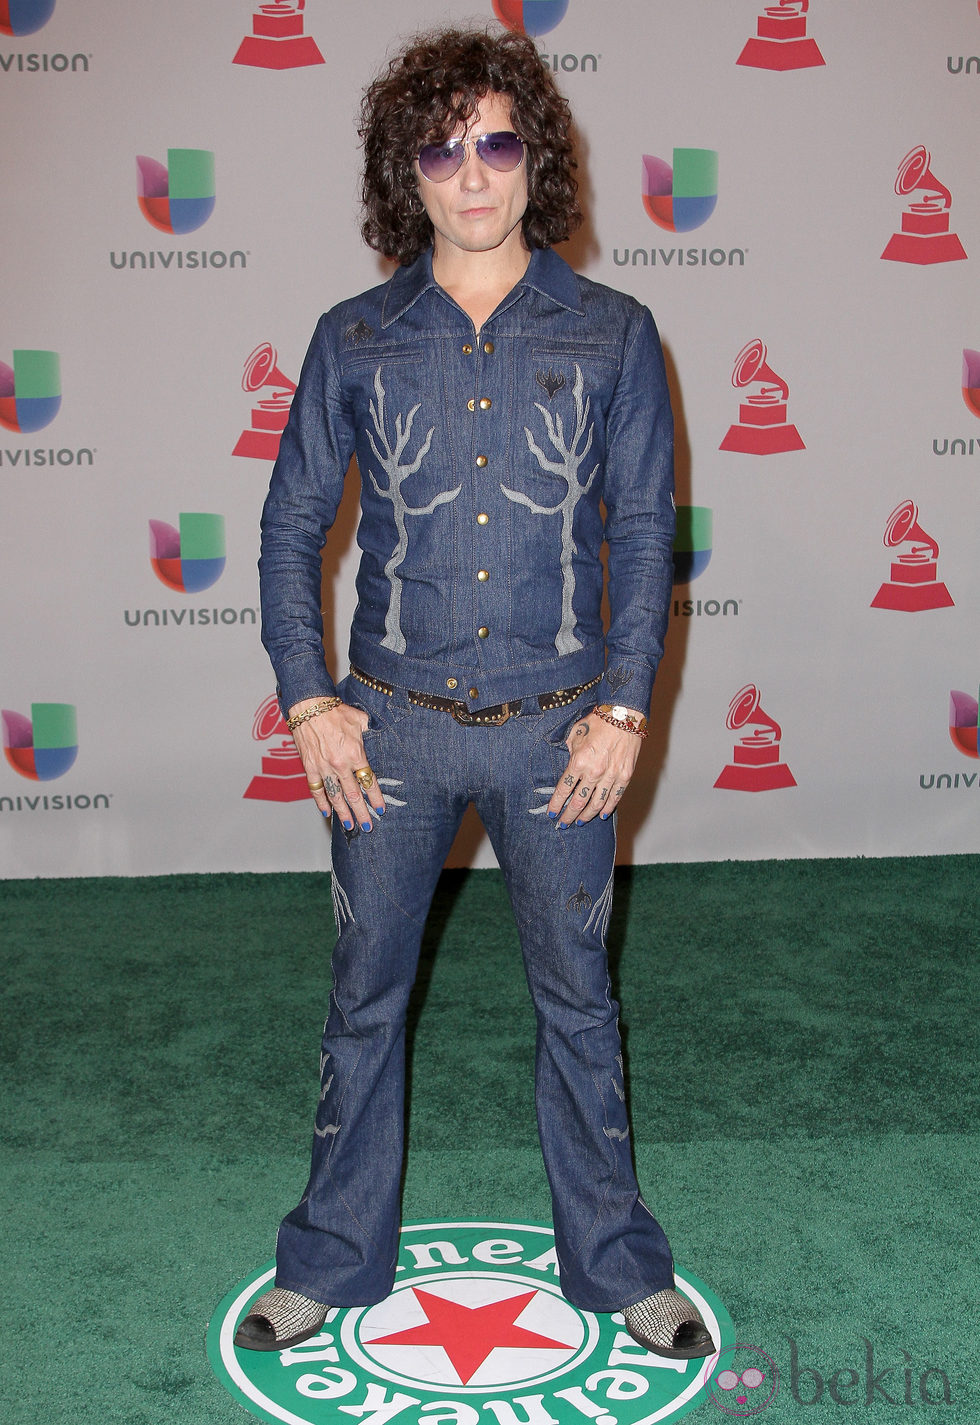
(469,1333)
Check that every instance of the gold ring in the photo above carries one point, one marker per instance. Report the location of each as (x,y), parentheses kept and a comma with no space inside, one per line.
(315,786)
(365,776)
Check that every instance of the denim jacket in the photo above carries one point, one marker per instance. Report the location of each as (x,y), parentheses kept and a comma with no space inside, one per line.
(492,468)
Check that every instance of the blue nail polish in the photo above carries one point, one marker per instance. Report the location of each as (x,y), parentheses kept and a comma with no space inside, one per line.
(563,826)
(365,826)
(604,815)
(379,811)
(326,814)
(552,815)
(348,826)
(579,822)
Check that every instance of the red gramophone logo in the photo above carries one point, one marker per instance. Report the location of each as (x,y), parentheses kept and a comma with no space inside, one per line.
(925,236)
(914,584)
(282,778)
(755,764)
(277,40)
(780,40)
(762,427)
(269,416)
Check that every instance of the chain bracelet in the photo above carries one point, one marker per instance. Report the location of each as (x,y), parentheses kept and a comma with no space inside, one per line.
(324,705)
(618,716)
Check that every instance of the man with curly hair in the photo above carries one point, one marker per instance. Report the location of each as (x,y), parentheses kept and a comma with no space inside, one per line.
(507,417)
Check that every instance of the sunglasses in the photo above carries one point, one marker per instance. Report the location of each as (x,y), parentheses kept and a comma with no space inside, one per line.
(502,152)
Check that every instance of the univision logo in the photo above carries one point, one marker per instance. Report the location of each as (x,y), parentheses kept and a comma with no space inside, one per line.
(43,746)
(963,719)
(178,198)
(963,64)
(530,17)
(536,18)
(964,715)
(191,557)
(30,398)
(971,380)
(692,542)
(30,390)
(24,17)
(692,554)
(970,386)
(681,198)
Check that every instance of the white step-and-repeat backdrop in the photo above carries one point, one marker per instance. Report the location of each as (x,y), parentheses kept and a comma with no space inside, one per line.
(794,191)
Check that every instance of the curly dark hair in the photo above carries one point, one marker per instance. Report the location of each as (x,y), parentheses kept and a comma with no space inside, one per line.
(430,88)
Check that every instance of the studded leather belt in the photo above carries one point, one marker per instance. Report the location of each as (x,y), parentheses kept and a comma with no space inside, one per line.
(483,717)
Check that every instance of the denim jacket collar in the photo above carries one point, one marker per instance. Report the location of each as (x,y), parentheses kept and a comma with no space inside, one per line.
(547,273)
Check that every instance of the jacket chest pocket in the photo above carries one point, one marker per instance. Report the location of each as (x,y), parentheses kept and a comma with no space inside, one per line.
(394,416)
(557,369)
(566,393)
(385,384)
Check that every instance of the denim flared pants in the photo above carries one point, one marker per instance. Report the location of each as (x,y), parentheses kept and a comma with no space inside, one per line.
(339,1245)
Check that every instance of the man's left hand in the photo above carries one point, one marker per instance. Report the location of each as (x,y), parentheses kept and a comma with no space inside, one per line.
(601,762)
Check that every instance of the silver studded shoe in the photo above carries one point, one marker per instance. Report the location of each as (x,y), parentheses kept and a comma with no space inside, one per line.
(669,1325)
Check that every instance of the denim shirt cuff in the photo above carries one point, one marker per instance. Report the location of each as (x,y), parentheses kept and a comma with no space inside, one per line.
(301,678)
(630,684)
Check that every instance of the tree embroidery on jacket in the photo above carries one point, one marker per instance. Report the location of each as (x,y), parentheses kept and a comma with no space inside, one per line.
(389,457)
(571,453)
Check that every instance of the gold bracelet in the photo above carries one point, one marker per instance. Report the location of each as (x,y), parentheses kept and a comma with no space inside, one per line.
(618,716)
(322,706)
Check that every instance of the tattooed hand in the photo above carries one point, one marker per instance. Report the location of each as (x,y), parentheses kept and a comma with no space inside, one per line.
(600,765)
(331,746)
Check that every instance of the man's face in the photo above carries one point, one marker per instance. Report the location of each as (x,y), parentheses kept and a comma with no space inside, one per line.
(478,209)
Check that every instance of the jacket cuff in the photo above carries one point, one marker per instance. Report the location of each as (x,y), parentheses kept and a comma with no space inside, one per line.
(302,678)
(628,683)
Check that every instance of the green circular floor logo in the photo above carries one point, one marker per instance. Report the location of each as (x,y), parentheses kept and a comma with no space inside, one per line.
(475,1332)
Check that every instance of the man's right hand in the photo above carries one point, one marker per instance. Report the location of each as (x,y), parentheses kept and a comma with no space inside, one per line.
(331,746)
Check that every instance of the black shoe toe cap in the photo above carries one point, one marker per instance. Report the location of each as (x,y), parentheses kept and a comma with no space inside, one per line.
(693,1337)
(256,1334)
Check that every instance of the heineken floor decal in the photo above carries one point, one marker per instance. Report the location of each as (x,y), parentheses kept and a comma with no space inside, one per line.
(475,1332)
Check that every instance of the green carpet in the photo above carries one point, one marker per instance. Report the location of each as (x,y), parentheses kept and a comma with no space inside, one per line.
(802,1052)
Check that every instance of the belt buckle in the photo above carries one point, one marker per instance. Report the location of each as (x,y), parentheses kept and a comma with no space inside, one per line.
(468,719)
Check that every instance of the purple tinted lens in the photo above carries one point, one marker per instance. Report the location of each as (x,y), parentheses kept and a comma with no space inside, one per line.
(439,161)
(502,151)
